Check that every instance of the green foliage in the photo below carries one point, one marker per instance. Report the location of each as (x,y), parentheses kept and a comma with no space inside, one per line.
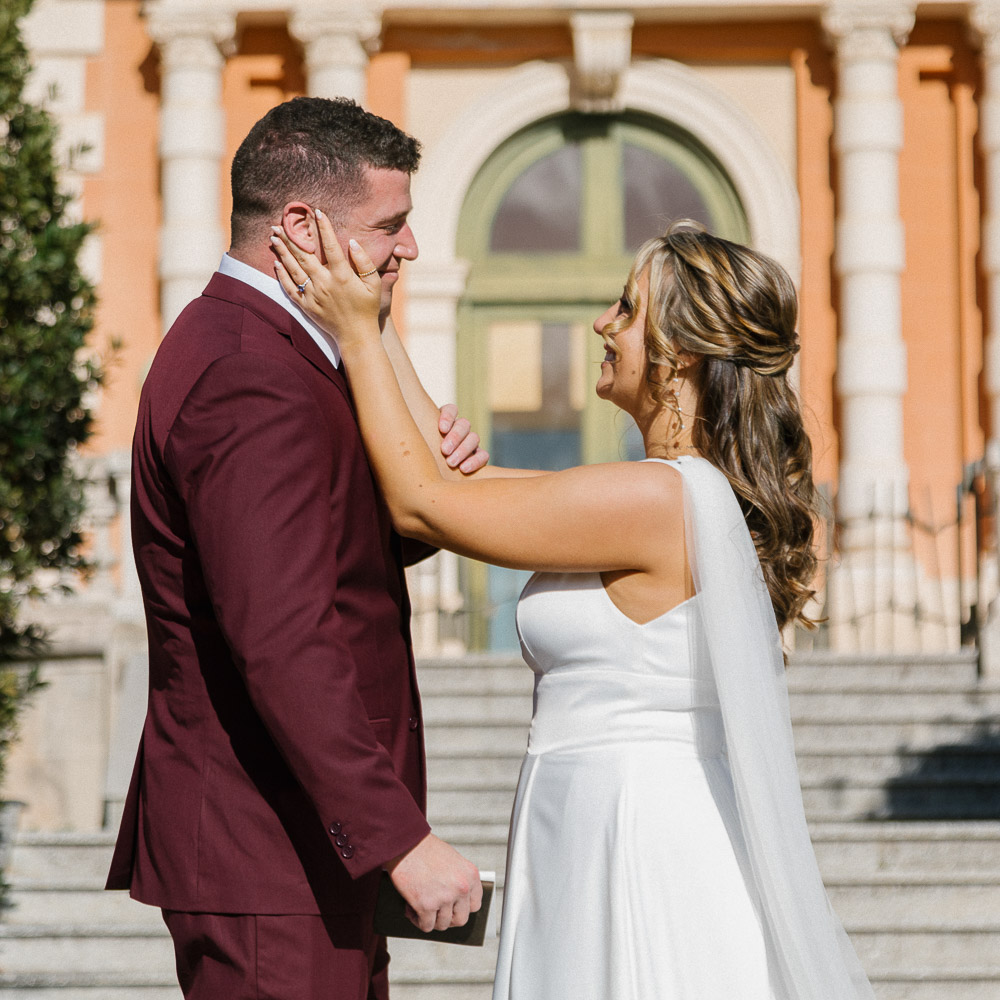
(46,313)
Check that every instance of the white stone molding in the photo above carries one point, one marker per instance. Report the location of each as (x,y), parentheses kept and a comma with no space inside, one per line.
(337,40)
(61,35)
(193,42)
(873,493)
(984,24)
(662,88)
(984,19)
(602,51)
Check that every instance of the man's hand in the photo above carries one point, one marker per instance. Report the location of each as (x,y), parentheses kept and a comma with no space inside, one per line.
(460,444)
(441,886)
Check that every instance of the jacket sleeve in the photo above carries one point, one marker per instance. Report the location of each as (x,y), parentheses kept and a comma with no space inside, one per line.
(253,458)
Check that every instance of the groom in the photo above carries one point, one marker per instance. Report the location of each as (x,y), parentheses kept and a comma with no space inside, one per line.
(281,767)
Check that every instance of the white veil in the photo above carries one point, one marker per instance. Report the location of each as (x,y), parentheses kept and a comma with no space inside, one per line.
(813,957)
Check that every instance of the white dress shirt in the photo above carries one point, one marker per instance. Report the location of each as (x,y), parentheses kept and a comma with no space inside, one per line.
(271,287)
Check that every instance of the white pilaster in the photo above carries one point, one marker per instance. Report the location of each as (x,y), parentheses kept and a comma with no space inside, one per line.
(61,36)
(433,290)
(985,21)
(191,40)
(869,259)
(337,39)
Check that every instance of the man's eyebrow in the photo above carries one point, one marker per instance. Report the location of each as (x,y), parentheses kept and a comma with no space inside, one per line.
(398,217)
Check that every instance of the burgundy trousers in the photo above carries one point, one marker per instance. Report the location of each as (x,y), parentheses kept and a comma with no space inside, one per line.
(278,957)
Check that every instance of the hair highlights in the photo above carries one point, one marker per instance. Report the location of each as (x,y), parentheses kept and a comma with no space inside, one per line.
(733,310)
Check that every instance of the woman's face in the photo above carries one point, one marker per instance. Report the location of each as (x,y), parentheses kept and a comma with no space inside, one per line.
(623,378)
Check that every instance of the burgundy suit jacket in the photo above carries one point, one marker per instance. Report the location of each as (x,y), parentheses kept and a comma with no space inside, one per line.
(281,762)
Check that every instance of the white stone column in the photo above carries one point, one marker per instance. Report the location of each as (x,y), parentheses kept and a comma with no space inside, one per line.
(433,291)
(871,370)
(984,19)
(192,135)
(337,39)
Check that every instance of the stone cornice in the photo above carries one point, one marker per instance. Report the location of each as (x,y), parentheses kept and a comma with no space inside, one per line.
(169,21)
(984,27)
(859,29)
(354,22)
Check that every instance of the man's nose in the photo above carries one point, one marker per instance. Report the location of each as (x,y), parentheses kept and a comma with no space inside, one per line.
(406,248)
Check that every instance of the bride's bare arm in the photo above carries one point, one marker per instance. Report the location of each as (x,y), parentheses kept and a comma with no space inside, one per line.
(602,517)
(423,408)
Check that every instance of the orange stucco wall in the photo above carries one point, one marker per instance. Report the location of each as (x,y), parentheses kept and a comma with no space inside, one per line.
(939,177)
(942,318)
(123,85)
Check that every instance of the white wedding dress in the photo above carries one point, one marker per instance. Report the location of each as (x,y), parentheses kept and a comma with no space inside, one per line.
(633,872)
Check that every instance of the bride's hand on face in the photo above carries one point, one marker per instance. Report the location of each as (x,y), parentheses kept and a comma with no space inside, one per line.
(342,298)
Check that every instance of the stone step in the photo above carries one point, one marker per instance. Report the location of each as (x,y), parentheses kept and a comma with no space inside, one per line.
(482,672)
(910,797)
(944,762)
(815,769)
(928,984)
(904,906)
(821,736)
(891,952)
(807,706)
(439,991)
(954,849)
(129,949)
(33,903)
(65,858)
(945,705)
(97,986)
(452,773)
(421,960)
(817,672)
(907,797)
(471,739)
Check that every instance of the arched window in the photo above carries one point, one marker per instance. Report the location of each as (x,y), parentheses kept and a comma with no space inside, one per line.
(550,226)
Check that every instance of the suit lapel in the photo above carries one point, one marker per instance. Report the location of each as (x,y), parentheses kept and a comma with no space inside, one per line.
(240,293)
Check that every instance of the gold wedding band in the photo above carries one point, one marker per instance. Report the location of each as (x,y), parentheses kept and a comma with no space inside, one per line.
(365,274)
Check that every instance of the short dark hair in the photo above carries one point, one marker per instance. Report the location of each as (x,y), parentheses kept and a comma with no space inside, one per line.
(314,150)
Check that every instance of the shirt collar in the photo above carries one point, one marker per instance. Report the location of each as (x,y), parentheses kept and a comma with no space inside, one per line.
(271,287)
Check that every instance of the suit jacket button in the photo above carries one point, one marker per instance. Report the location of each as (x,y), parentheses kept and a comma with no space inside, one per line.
(347,852)
(335,828)
(341,840)
(414,722)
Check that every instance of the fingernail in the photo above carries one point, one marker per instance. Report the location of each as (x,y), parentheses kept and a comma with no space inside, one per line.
(275,229)
(355,245)
(319,213)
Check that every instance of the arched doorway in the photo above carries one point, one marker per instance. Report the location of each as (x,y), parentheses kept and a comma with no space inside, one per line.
(549,227)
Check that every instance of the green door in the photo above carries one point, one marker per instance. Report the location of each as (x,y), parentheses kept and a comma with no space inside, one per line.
(550,226)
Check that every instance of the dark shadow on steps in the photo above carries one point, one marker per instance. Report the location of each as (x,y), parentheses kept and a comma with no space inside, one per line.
(959,781)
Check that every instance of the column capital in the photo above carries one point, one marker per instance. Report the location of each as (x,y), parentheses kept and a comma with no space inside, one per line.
(865,29)
(181,22)
(602,51)
(984,27)
(338,24)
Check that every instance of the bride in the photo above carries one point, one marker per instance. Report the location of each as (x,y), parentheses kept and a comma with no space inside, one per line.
(658,846)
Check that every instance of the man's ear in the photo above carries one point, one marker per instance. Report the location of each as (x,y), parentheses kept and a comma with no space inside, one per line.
(299,223)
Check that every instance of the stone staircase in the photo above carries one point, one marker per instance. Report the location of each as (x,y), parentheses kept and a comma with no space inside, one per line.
(900,767)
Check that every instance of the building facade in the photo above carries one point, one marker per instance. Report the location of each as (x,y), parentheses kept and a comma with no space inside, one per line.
(856,141)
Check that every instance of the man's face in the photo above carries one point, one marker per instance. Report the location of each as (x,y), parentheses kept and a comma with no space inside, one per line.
(379,224)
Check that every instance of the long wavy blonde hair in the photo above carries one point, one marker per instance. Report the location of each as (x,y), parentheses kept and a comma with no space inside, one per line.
(734,311)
